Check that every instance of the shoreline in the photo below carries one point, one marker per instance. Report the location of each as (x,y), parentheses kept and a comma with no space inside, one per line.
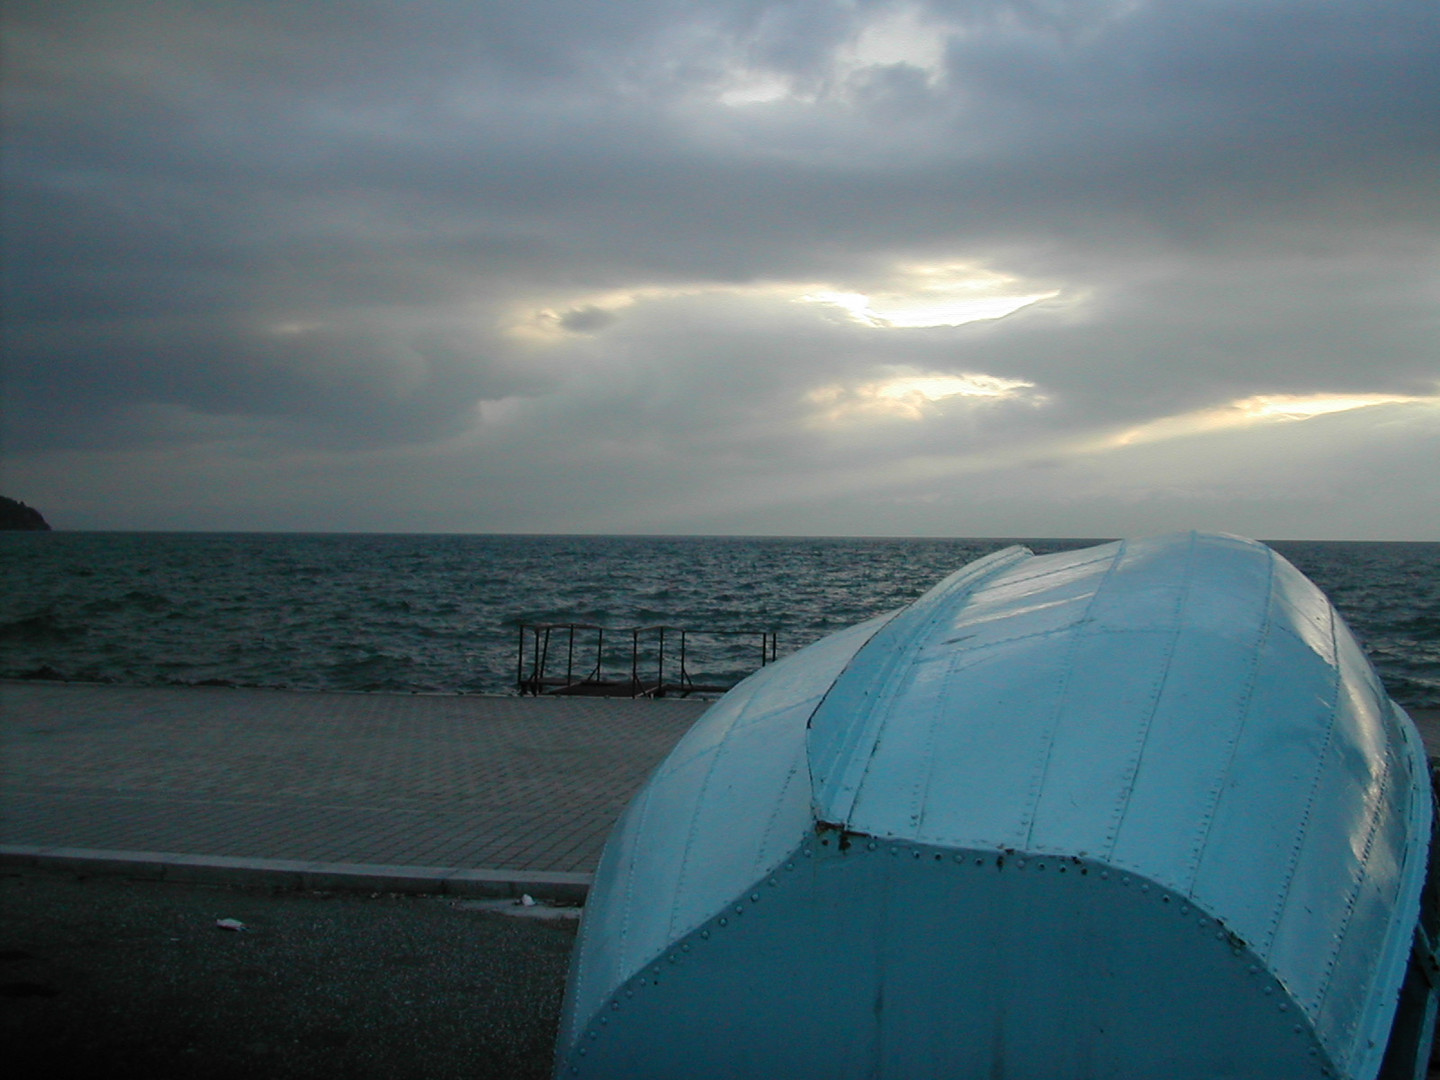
(1429,713)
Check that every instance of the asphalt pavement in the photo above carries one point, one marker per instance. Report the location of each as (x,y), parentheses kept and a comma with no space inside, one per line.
(111,978)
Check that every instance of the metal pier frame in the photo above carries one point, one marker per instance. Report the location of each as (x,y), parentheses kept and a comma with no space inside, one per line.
(652,671)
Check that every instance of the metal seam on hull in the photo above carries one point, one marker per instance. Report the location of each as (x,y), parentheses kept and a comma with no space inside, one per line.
(677,951)
(1303,830)
(836,792)
(1353,894)
(820,704)
(1421,824)
(627,905)
(792,776)
(1243,713)
(921,801)
(1047,738)
(695,816)
(1137,757)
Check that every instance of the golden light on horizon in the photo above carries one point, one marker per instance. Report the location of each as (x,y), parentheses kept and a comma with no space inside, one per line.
(1248,412)
(1295,407)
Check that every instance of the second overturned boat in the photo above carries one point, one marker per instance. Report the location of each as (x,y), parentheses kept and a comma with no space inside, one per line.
(1139,810)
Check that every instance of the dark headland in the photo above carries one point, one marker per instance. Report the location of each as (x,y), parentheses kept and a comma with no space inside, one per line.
(15,514)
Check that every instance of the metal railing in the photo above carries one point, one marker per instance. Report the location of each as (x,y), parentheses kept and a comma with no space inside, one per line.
(644,669)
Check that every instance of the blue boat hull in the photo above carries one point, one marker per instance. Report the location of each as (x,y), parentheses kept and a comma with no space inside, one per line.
(1137,811)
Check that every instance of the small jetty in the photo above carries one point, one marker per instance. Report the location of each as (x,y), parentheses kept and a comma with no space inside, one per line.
(590,660)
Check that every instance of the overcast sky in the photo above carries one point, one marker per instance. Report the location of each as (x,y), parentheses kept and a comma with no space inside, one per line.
(964,267)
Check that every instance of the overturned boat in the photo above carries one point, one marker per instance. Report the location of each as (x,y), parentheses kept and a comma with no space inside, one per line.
(1141,810)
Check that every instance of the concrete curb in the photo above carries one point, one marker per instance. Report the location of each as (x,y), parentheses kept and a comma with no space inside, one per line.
(297,874)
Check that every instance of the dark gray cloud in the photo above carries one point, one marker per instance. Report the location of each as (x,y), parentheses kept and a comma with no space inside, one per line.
(521,257)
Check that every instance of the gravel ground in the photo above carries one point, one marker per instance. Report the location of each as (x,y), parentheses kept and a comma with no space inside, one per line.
(113,978)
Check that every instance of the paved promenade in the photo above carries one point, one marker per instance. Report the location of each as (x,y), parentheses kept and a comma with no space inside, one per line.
(399,792)
(474,795)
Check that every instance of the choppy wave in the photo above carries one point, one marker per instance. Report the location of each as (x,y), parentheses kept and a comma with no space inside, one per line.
(439,614)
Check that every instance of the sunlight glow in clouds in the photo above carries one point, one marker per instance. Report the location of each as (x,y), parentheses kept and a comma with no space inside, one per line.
(892,311)
(1247,412)
(1293,407)
(906,396)
(920,296)
(894,398)
(912,297)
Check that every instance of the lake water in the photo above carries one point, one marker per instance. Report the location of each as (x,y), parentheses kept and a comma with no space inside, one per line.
(439,614)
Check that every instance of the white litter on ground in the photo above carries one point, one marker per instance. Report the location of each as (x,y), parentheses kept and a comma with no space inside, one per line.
(527,907)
